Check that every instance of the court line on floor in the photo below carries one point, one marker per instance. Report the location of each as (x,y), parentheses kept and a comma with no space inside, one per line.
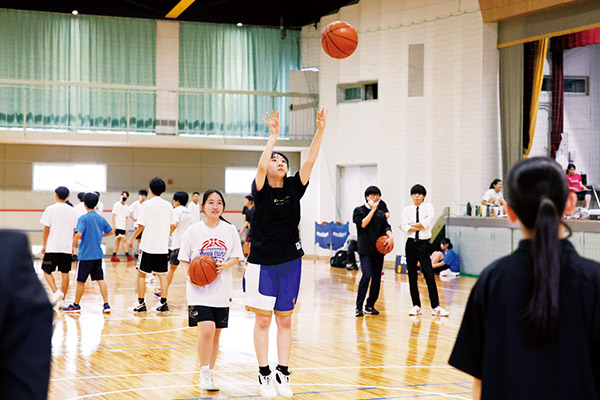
(144,333)
(352,388)
(228,371)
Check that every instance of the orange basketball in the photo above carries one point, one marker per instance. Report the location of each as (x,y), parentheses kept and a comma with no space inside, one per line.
(380,244)
(339,39)
(203,270)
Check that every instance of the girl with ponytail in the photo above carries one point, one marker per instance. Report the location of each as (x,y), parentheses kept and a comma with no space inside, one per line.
(531,328)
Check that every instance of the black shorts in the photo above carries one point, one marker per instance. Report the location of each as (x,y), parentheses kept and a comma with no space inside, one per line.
(173,254)
(139,237)
(581,195)
(120,232)
(62,261)
(91,268)
(219,315)
(149,263)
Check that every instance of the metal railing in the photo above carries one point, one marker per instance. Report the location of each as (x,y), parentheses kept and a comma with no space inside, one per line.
(129,109)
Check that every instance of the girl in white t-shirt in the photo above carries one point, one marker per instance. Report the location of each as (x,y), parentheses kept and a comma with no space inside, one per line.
(208,306)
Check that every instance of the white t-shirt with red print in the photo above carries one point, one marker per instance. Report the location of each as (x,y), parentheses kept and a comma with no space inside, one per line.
(220,243)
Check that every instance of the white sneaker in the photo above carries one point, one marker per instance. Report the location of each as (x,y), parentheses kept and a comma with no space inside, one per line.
(267,386)
(440,312)
(56,297)
(416,310)
(282,383)
(207,382)
(445,272)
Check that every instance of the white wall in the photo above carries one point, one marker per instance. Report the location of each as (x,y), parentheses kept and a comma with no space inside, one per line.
(446,140)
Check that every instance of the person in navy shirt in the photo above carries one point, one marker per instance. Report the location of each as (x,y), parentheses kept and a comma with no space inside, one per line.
(91,228)
(445,262)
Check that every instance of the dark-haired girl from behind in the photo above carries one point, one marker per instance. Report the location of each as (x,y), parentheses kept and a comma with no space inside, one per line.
(531,328)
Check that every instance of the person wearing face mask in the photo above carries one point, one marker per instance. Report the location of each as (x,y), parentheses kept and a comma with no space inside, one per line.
(134,211)
(120,217)
(272,277)
(371,223)
(417,221)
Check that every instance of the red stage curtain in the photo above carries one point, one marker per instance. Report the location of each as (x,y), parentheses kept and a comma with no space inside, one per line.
(558,45)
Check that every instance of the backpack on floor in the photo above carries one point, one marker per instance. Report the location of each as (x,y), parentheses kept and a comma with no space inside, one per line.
(340,259)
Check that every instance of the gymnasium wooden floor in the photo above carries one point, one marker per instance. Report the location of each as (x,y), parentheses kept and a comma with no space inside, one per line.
(334,354)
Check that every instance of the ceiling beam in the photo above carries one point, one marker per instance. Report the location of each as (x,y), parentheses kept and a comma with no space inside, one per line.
(499,10)
(179,9)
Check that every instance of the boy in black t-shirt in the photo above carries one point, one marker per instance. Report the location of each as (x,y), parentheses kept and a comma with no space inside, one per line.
(272,279)
(371,223)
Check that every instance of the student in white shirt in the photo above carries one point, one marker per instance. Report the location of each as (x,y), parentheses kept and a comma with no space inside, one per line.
(493,196)
(194,207)
(80,210)
(100,206)
(157,220)
(120,215)
(208,306)
(184,221)
(59,222)
(417,221)
(134,212)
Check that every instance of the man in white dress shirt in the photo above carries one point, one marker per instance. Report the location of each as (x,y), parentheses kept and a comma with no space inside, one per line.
(417,221)
(195,207)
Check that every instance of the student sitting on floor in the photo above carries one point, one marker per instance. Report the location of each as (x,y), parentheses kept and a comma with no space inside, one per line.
(445,262)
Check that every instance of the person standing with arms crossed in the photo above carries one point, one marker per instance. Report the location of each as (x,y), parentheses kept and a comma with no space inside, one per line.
(417,221)
(275,261)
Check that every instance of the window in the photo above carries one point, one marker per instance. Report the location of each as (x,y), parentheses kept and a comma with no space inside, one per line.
(76,177)
(239,180)
(573,84)
(350,93)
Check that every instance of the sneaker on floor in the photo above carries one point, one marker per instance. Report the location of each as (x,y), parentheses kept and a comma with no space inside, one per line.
(371,310)
(56,297)
(161,308)
(282,383)
(140,308)
(440,312)
(157,295)
(114,259)
(416,310)
(267,386)
(207,381)
(359,313)
(131,258)
(106,309)
(72,309)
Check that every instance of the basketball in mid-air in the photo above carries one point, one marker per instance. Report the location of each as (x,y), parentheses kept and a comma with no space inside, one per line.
(339,39)
(380,244)
(202,270)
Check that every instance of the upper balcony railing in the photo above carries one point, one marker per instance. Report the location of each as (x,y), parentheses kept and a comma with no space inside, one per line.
(126,109)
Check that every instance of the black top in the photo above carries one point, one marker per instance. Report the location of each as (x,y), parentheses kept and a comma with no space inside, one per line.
(25,323)
(368,235)
(382,207)
(275,235)
(249,213)
(491,342)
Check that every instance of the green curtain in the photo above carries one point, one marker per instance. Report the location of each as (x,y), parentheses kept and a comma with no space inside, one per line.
(86,49)
(511,105)
(228,57)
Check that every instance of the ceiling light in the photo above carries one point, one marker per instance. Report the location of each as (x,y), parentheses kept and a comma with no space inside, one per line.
(239,24)
(75,12)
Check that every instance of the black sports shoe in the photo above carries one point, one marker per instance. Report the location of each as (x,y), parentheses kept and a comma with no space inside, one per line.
(359,313)
(140,308)
(161,308)
(371,310)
